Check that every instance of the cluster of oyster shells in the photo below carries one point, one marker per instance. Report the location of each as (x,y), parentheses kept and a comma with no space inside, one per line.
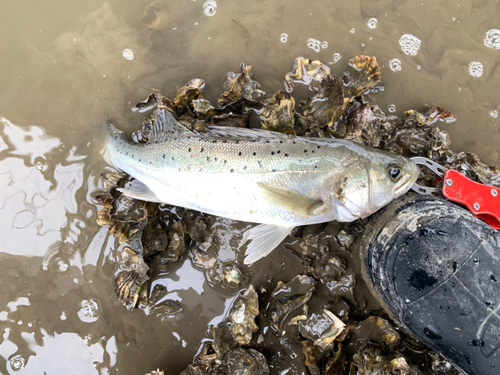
(333,336)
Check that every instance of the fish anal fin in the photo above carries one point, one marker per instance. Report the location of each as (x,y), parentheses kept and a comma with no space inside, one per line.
(292,201)
(138,190)
(264,239)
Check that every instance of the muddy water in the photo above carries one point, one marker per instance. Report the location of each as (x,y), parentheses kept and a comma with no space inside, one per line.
(63,71)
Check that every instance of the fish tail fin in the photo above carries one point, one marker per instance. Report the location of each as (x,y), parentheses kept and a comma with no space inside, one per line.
(264,239)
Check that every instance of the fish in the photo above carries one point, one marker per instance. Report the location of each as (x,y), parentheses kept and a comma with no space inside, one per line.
(259,176)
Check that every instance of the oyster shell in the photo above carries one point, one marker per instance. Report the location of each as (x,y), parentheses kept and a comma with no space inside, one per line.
(242,316)
(322,328)
(286,298)
(186,94)
(278,113)
(240,361)
(371,360)
(228,275)
(130,288)
(240,86)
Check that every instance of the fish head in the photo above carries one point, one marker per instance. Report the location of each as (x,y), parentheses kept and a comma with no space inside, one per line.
(370,183)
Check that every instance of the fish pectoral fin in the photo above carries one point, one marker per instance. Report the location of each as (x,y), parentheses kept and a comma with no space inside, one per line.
(138,190)
(292,201)
(264,239)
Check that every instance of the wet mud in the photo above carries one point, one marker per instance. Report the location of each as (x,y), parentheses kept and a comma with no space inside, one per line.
(68,66)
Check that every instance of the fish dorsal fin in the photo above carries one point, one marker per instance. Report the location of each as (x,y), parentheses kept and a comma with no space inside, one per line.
(292,201)
(227,131)
(166,127)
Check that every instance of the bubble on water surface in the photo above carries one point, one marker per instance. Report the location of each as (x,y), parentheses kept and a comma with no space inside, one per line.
(17,363)
(314,44)
(128,54)
(395,65)
(336,58)
(475,69)
(410,44)
(324,45)
(353,30)
(63,316)
(419,67)
(209,8)
(89,312)
(494,113)
(284,38)
(392,108)
(41,164)
(492,39)
(372,23)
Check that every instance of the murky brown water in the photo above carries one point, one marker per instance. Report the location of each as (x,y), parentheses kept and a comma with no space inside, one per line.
(63,72)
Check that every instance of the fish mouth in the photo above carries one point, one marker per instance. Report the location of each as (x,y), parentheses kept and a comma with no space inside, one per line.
(405,186)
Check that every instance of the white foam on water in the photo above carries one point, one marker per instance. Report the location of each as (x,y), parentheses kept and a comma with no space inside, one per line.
(494,113)
(492,39)
(284,38)
(410,44)
(324,45)
(128,54)
(392,108)
(336,58)
(314,44)
(209,8)
(372,23)
(476,69)
(353,30)
(395,65)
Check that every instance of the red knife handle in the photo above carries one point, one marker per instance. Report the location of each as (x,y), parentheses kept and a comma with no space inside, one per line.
(482,200)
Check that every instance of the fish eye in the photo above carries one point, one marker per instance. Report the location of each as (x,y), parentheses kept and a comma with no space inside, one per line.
(395,173)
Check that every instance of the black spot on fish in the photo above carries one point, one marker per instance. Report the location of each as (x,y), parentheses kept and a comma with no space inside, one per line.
(215,159)
(201,150)
(272,152)
(294,142)
(312,151)
(260,164)
(214,141)
(225,161)
(245,167)
(224,141)
(239,153)
(163,156)
(189,150)
(305,151)
(150,162)
(315,167)
(140,159)
(281,141)
(172,158)
(278,151)
(232,170)
(132,156)
(254,153)
(274,170)
(208,158)
(286,155)
(319,146)
(126,153)
(237,142)
(267,141)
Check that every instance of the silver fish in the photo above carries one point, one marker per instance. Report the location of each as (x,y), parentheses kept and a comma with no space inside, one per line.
(259,176)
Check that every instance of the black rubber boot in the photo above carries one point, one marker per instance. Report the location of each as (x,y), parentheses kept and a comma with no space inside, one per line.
(437,268)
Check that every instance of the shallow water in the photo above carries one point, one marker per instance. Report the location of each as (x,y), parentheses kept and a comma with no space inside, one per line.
(64,72)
